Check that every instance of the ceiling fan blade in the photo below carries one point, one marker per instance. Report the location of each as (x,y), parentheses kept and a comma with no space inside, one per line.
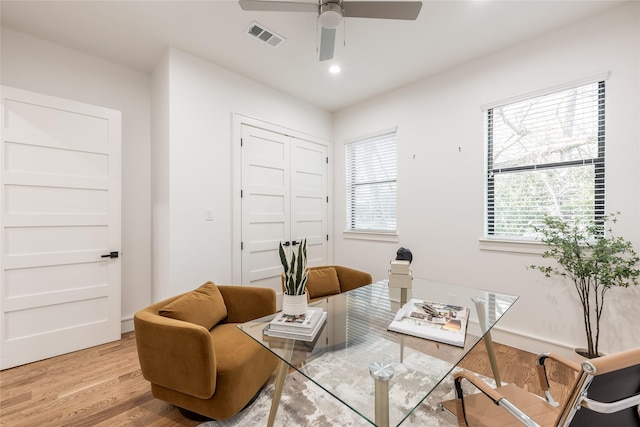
(327,43)
(278,6)
(408,10)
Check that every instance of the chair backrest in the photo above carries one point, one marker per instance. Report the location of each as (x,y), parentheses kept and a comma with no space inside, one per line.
(342,279)
(603,382)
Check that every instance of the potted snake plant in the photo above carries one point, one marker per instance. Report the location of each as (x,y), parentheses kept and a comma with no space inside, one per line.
(294,300)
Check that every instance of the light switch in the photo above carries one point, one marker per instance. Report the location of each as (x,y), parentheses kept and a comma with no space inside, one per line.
(208,214)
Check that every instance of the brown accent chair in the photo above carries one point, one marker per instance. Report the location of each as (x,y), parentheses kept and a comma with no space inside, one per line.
(194,355)
(329,280)
(606,393)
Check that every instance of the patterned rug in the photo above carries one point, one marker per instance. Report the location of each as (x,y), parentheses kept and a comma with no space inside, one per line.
(303,403)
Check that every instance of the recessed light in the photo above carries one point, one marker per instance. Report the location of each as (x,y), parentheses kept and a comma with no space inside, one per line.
(334,69)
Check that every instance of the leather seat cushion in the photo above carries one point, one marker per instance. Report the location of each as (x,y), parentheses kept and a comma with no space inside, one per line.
(482,412)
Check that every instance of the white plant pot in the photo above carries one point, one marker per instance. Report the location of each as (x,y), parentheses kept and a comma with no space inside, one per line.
(294,305)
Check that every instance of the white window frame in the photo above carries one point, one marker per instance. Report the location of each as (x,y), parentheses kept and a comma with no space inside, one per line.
(521,243)
(386,152)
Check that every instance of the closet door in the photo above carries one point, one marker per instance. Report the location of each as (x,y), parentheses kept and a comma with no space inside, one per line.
(284,199)
(265,205)
(309,203)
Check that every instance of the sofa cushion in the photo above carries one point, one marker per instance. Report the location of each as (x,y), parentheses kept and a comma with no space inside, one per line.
(203,306)
(322,282)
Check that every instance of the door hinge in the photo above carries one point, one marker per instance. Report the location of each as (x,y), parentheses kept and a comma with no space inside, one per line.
(327,237)
(240,142)
(327,199)
(327,159)
(241,246)
(241,194)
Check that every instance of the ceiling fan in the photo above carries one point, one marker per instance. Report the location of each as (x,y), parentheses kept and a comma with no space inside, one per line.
(332,12)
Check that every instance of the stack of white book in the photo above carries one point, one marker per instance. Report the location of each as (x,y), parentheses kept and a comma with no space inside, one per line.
(303,327)
(399,274)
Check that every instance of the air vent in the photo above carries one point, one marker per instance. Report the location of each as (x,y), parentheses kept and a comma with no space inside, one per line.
(265,35)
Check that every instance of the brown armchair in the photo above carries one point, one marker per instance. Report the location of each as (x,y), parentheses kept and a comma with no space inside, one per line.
(196,358)
(606,393)
(329,280)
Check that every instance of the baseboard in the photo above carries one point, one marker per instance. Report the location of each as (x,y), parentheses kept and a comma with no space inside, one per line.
(516,339)
(126,324)
(530,343)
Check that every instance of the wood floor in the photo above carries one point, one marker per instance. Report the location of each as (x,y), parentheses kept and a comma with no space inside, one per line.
(103,386)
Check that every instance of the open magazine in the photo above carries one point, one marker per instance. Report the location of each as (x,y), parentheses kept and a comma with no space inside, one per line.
(432,320)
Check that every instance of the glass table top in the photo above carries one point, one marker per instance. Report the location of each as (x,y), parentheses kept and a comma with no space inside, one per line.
(355,336)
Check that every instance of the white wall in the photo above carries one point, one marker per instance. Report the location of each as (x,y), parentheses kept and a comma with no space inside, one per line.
(160,178)
(441,175)
(37,65)
(201,99)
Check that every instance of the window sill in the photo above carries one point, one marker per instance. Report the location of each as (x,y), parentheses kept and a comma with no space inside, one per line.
(512,246)
(371,235)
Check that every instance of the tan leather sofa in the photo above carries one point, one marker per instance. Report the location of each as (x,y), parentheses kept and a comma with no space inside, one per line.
(196,358)
(329,280)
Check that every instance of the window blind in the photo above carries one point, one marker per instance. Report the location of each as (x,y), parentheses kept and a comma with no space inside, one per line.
(371,183)
(545,155)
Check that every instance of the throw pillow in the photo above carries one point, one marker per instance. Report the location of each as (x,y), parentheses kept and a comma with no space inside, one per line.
(203,306)
(322,282)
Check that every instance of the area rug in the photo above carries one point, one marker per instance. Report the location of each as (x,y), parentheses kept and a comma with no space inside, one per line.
(303,403)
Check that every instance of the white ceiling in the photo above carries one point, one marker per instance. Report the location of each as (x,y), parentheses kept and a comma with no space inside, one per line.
(379,55)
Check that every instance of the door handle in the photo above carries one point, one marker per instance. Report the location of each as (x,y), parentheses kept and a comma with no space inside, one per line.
(113,254)
(286,244)
(294,243)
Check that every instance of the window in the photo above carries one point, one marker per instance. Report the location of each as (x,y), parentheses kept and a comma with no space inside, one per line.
(371,184)
(545,155)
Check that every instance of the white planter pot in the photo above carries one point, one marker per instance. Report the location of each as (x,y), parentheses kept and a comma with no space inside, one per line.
(294,305)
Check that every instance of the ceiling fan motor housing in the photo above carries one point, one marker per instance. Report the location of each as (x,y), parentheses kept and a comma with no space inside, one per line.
(331,14)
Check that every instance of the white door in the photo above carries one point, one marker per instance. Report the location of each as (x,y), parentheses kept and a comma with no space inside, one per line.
(284,199)
(60,226)
(309,202)
(265,205)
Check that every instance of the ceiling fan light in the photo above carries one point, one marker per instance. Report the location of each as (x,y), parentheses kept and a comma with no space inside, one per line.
(330,15)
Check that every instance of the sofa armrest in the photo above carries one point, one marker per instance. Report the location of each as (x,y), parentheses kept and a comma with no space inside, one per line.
(245,303)
(175,354)
(351,278)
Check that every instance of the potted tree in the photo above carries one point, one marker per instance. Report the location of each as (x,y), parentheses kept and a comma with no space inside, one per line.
(594,261)
(294,300)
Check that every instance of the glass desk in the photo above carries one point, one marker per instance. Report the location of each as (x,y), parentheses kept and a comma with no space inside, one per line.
(381,375)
